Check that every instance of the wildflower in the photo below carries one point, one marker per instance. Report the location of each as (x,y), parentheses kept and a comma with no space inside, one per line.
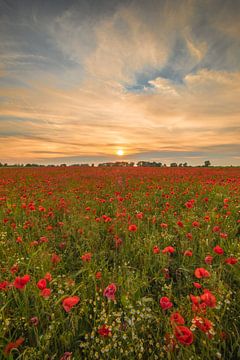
(55,259)
(203,324)
(132,228)
(34,321)
(201,273)
(189,204)
(43,239)
(4,285)
(218,250)
(46,293)
(188,253)
(48,277)
(196,224)
(197,285)
(20,282)
(183,335)
(98,275)
(180,224)
(104,331)
(86,257)
(231,260)
(208,260)
(110,291)
(176,319)
(14,269)
(216,229)
(13,345)
(165,303)
(139,215)
(66,356)
(168,249)
(69,302)
(19,239)
(208,298)
(42,284)
(156,250)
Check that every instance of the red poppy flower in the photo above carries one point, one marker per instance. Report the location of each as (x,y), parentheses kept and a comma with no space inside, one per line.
(14,269)
(132,227)
(165,303)
(231,260)
(197,285)
(201,273)
(86,257)
(203,324)
(42,284)
(208,260)
(3,285)
(98,275)
(168,249)
(48,277)
(13,345)
(180,224)
(218,250)
(20,282)
(46,292)
(216,229)
(139,215)
(184,335)
(104,331)
(156,250)
(223,235)
(110,291)
(69,302)
(208,298)
(188,253)
(34,321)
(176,319)
(55,259)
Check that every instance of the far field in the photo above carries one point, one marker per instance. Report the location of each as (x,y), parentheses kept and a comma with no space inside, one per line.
(135,263)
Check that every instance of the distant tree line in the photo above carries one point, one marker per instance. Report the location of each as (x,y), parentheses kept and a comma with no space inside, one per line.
(141,163)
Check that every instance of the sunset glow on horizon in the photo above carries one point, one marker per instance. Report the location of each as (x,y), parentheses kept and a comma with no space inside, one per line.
(84,81)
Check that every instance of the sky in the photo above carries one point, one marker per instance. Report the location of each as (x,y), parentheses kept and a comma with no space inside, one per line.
(157,79)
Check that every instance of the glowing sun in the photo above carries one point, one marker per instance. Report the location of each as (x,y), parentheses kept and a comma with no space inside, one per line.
(120,152)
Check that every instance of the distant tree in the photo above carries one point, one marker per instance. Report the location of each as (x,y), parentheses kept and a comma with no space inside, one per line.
(207,163)
(185,164)
(180,165)
(149,164)
(173,164)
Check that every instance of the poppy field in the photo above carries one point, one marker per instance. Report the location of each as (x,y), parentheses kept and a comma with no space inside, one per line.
(119,263)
